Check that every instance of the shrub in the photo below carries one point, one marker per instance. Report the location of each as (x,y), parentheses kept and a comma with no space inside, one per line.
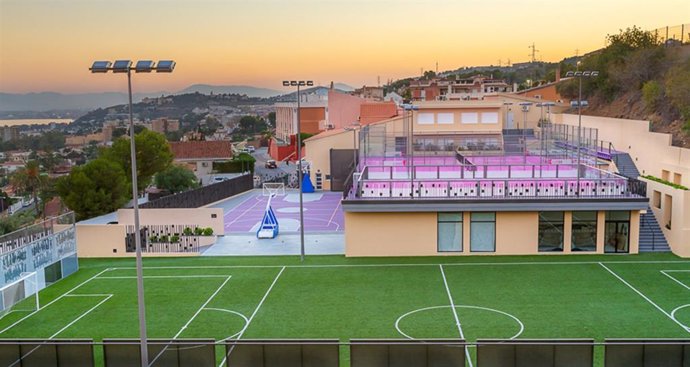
(174,238)
(188,231)
(153,239)
(198,231)
(164,238)
(660,180)
(208,231)
(651,93)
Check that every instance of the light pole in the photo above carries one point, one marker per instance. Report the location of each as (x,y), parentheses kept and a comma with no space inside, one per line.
(143,66)
(579,75)
(525,108)
(408,107)
(299,83)
(353,127)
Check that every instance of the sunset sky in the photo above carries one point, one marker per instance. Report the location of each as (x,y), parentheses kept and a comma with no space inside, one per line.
(48,45)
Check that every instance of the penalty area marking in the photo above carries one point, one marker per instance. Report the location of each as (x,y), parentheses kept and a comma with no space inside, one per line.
(397,322)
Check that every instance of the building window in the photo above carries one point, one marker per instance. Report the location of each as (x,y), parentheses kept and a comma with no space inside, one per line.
(489,117)
(656,199)
(469,117)
(483,232)
(425,118)
(445,118)
(449,232)
(617,238)
(584,236)
(550,231)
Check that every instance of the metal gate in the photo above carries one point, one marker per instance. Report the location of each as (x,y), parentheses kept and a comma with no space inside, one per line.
(341,167)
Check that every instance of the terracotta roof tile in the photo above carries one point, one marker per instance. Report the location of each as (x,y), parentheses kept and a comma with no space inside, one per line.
(202,149)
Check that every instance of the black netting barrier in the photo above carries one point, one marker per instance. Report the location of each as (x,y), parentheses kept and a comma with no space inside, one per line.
(535,353)
(407,353)
(647,353)
(282,353)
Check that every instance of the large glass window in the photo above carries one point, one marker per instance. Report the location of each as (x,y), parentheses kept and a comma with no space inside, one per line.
(550,231)
(584,237)
(617,238)
(483,232)
(449,232)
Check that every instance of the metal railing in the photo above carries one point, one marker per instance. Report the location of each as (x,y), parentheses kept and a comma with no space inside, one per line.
(29,234)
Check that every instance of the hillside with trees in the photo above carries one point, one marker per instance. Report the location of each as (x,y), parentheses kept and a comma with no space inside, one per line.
(640,78)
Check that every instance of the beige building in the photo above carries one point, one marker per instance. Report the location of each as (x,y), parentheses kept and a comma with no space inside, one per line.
(451,178)
(164,125)
(653,155)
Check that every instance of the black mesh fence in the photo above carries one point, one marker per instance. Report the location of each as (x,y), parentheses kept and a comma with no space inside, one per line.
(203,195)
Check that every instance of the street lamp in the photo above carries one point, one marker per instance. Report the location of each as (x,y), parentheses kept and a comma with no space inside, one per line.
(143,66)
(408,107)
(353,127)
(579,75)
(299,83)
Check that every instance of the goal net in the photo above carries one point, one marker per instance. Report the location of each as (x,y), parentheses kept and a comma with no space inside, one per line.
(20,295)
(273,188)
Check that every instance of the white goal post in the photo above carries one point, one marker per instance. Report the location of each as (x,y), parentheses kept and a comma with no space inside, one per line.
(20,295)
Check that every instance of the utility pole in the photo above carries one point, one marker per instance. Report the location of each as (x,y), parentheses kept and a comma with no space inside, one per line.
(533,54)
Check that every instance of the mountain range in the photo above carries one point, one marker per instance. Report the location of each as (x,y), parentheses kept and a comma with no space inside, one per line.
(49,101)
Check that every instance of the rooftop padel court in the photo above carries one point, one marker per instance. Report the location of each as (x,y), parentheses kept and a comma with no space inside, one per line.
(322,212)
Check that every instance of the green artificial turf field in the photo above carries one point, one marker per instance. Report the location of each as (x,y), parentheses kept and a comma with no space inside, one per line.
(636,296)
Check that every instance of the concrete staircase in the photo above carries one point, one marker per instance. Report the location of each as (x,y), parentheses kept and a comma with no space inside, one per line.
(652,239)
(625,164)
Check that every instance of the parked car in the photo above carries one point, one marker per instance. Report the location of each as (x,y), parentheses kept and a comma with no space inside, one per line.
(271,164)
(251,149)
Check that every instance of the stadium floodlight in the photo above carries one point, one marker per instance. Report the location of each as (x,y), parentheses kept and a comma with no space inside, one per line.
(165,66)
(409,108)
(145,66)
(100,67)
(299,83)
(579,75)
(122,66)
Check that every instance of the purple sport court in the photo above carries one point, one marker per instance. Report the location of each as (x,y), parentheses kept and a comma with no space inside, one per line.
(322,212)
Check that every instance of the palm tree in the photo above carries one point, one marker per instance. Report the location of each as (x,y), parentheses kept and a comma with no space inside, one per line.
(29,180)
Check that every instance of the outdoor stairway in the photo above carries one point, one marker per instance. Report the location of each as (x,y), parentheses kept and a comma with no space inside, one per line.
(625,164)
(652,239)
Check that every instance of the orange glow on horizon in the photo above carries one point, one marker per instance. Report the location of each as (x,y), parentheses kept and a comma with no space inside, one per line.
(49,45)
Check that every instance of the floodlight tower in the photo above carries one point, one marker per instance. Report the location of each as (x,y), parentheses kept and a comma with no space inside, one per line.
(579,75)
(143,66)
(298,84)
(409,108)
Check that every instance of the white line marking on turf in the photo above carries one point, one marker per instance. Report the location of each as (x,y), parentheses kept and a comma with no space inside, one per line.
(646,298)
(406,265)
(107,297)
(455,314)
(256,310)
(55,300)
(202,307)
(165,276)
(397,322)
(82,315)
(674,279)
(192,319)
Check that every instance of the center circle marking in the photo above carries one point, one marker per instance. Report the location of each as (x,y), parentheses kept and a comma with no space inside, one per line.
(522,326)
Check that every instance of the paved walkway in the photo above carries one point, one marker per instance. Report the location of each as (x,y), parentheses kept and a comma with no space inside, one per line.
(284,244)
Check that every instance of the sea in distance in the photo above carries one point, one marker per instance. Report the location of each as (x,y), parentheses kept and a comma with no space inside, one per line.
(16,122)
